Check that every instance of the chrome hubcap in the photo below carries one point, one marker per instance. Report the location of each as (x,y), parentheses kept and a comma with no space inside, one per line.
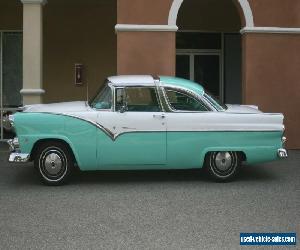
(53,163)
(223,161)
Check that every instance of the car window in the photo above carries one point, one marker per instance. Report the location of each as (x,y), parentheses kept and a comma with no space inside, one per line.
(137,99)
(103,100)
(184,102)
(214,101)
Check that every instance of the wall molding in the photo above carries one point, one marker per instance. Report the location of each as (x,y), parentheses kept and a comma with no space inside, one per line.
(173,13)
(247,12)
(270,30)
(32,91)
(174,28)
(145,27)
(42,2)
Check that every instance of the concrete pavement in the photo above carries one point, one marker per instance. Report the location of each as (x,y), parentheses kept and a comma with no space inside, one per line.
(146,209)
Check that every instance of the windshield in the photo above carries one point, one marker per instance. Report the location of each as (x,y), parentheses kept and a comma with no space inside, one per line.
(214,101)
(103,100)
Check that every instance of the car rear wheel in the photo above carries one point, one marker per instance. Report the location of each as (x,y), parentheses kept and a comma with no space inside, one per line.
(54,163)
(222,165)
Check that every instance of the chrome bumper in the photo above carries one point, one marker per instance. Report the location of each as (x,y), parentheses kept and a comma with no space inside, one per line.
(13,144)
(282,153)
(18,157)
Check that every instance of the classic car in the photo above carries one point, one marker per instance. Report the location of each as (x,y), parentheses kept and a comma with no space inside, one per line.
(145,122)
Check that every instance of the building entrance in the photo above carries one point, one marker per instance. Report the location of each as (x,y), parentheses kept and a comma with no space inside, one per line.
(213,60)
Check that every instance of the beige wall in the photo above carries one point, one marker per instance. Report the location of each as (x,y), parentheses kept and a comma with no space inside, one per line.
(209,15)
(143,11)
(82,32)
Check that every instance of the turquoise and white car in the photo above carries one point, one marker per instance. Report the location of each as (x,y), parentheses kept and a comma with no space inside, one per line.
(145,122)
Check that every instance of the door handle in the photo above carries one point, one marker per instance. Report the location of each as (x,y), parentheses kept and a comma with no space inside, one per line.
(162,116)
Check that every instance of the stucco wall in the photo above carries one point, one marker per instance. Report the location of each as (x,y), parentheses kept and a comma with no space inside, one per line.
(277,13)
(146,53)
(78,33)
(143,11)
(271,77)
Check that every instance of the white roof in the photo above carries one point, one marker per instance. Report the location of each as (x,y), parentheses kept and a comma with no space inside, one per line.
(127,80)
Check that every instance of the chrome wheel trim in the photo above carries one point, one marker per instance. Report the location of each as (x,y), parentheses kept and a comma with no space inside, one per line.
(223,160)
(223,164)
(53,163)
(45,164)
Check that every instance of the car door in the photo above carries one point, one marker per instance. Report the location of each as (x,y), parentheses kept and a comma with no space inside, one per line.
(136,128)
(186,117)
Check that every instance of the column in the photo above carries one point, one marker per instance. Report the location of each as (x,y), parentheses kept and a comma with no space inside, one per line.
(32,90)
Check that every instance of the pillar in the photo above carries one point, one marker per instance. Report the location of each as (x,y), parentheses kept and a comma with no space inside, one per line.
(32,90)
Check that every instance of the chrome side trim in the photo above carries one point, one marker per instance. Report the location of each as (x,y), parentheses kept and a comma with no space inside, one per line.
(96,124)
(19,157)
(113,136)
(162,97)
(159,97)
(282,153)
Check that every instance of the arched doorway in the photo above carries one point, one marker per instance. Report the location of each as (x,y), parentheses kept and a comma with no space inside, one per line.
(209,44)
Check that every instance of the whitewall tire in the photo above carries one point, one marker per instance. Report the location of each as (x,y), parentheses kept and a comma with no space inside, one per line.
(54,163)
(222,165)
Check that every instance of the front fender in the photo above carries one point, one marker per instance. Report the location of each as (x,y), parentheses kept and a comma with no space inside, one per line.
(78,134)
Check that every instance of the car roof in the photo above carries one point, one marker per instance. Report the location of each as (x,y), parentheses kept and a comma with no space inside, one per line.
(183,83)
(134,80)
(148,80)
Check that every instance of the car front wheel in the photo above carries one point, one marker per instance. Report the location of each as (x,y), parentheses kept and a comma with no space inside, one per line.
(223,166)
(54,163)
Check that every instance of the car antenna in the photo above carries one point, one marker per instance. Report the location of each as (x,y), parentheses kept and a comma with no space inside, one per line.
(87,92)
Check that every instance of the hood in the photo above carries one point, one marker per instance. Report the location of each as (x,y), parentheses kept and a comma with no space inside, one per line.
(249,109)
(61,107)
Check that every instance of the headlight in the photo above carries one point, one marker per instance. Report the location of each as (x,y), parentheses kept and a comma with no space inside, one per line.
(16,142)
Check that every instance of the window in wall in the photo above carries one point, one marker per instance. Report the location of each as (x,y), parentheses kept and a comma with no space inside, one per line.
(12,69)
(197,40)
(183,66)
(10,79)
